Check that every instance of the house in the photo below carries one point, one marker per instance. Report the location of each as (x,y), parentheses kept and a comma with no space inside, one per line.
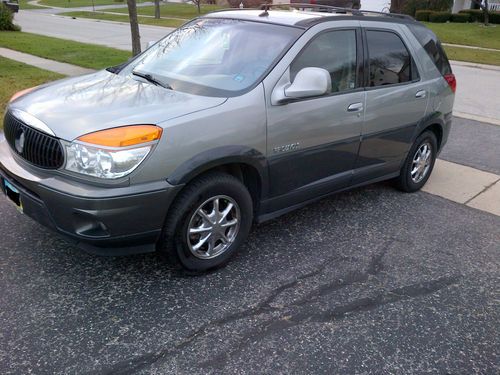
(459,5)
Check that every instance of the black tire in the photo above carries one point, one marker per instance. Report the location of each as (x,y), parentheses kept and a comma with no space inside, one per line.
(405,182)
(174,242)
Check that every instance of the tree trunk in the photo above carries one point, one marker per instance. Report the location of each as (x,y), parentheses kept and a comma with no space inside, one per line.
(198,5)
(134,27)
(157,9)
(486,13)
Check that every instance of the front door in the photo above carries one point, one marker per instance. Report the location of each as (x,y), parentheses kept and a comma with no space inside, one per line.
(312,144)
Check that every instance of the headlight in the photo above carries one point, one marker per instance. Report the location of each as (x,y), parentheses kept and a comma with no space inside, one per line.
(111,153)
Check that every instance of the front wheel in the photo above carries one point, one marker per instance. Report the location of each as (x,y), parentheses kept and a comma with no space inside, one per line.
(208,222)
(419,163)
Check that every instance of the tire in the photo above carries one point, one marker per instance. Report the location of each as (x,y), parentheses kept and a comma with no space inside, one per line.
(205,192)
(409,182)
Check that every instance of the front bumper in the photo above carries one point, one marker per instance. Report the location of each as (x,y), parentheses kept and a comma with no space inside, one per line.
(101,220)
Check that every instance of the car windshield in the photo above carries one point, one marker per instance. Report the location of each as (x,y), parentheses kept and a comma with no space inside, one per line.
(215,57)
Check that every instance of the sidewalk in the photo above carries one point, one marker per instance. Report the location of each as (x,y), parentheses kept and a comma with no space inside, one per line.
(39,62)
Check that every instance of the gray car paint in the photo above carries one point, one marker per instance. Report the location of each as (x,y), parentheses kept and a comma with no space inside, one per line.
(80,105)
(213,130)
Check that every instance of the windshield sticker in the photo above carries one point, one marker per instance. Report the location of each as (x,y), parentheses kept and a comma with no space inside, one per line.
(226,38)
(239,77)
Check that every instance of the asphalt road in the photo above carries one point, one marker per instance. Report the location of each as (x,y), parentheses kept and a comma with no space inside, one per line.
(369,281)
(106,33)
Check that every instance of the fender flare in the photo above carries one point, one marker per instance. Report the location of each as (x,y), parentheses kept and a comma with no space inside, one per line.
(219,156)
(435,118)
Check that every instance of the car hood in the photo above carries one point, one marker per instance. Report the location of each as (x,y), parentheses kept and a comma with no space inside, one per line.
(75,106)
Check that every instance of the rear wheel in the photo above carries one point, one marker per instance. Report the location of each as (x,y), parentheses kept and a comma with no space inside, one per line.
(208,222)
(419,163)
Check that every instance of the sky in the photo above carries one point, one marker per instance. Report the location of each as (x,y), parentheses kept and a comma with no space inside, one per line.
(377,5)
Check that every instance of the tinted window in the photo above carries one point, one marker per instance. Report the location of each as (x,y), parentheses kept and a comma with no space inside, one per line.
(389,60)
(432,46)
(334,51)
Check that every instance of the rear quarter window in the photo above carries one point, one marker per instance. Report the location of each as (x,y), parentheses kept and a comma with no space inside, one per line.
(432,46)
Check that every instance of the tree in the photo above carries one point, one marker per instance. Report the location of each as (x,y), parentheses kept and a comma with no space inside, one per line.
(198,5)
(157,9)
(134,27)
(483,5)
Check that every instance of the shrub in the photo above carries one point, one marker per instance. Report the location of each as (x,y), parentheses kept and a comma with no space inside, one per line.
(412,6)
(422,15)
(6,19)
(495,17)
(460,18)
(477,15)
(439,17)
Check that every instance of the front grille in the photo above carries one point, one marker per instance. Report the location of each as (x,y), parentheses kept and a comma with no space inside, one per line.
(38,148)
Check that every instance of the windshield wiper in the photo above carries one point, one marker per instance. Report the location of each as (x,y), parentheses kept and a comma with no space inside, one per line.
(148,77)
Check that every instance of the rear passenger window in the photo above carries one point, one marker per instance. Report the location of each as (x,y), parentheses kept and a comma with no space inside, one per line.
(390,62)
(334,51)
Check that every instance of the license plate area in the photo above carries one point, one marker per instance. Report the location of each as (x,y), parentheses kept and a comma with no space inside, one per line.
(12,193)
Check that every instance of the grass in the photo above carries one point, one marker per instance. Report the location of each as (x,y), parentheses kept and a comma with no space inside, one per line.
(23,4)
(80,3)
(16,76)
(473,55)
(186,11)
(469,34)
(86,55)
(166,22)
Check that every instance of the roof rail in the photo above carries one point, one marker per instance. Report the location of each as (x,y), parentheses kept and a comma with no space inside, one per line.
(333,9)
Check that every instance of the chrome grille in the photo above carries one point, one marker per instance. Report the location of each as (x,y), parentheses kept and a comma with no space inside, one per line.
(40,149)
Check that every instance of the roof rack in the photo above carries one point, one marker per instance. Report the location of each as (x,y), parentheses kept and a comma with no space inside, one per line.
(325,8)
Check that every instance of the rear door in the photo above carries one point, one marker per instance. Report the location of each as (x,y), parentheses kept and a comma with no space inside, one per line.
(396,101)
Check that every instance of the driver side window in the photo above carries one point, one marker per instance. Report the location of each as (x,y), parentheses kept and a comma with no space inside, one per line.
(334,51)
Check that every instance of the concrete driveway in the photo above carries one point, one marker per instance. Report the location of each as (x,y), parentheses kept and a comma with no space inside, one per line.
(368,281)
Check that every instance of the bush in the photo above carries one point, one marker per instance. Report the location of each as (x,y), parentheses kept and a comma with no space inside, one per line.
(477,15)
(495,17)
(6,19)
(439,17)
(412,6)
(422,15)
(460,18)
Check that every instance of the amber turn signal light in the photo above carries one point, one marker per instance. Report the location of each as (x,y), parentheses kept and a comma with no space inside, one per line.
(21,93)
(123,136)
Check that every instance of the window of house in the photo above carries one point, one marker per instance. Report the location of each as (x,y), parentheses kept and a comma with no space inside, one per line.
(334,51)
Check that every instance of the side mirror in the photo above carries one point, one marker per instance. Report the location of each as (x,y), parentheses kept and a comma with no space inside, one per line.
(309,82)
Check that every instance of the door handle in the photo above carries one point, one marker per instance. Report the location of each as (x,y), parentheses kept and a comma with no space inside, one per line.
(421,94)
(355,107)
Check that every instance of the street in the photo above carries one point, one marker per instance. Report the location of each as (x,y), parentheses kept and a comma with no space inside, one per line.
(368,281)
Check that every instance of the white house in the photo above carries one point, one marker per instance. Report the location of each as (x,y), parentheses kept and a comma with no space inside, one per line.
(459,5)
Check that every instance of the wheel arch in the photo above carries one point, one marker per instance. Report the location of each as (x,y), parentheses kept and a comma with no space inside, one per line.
(244,163)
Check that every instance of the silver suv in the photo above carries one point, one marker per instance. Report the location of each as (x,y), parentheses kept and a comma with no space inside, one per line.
(236,117)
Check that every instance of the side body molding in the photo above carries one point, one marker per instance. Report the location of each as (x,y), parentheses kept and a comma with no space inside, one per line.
(222,156)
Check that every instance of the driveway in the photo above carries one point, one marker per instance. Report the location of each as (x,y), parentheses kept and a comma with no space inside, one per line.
(368,281)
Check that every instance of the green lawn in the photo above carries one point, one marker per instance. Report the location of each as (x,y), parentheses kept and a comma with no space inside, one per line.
(167,22)
(16,76)
(80,3)
(186,11)
(23,4)
(469,34)
(86,55)
(473,55)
